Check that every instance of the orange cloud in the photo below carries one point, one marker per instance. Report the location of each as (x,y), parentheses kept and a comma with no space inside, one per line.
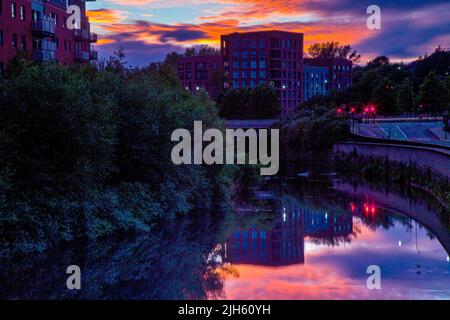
(106,16)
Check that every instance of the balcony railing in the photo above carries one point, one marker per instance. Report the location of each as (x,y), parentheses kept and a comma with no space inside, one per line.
(93,37)
(81,56)
(42,55)
(44,26)
(81,35)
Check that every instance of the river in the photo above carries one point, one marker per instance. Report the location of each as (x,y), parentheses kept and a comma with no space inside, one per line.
(303,237)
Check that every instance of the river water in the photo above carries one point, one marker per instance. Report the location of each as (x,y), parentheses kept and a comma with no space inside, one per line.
(301,238)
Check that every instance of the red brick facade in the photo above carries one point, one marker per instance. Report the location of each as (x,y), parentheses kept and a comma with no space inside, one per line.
(38,28)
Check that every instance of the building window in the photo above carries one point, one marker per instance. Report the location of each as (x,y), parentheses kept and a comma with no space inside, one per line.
(253,74)
(1,38)
(236,75)
(14,40)
(262,64)
(262,74)
(236,64)
(253,64)
(13,10)
(262,44)
(244,74)
(1,7)
(244,54)
(24,43)
(22,13)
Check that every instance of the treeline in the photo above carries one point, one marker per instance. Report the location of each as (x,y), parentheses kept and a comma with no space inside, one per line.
(421,86)
(87,153)
(249,103)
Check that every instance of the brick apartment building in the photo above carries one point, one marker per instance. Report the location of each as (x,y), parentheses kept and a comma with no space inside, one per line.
(38,28)
(340,71)
(202,72)
(274,58)
(266,57)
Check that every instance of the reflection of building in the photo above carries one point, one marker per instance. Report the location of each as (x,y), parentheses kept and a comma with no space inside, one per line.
(283,243)
(201,72)
(38,29)
(266,57)
(316,82)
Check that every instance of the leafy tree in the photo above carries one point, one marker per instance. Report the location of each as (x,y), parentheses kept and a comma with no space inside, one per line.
(405,96)
(202,50)
(384,96)
(432,94)
(332,49)
(249,103)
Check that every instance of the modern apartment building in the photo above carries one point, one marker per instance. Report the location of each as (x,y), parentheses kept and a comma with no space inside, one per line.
(38,28)
(340,71)
(316,82)
(202,72)
(266,57)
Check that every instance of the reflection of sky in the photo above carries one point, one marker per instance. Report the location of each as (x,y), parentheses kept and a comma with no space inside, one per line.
(339,272)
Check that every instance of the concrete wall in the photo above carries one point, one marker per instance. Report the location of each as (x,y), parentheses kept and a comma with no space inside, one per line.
(434,159)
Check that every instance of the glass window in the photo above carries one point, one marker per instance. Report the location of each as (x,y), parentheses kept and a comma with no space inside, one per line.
(262,43)
(236,54)
(13,10)
(236,64)
(253,64)
(244,74)
(22,13)
(244,55)
(236,74)
(253,74)
(14,40)
(244,64)
(253,43)
(262,64)
(262,74)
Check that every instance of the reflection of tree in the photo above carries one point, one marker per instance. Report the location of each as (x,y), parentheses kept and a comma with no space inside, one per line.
(168,264)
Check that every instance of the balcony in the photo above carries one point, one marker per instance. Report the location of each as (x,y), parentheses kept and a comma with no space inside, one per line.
(45,52)
(93,55)
(44,27)
(81,35)
(93,37)
(81,56)
(41,55)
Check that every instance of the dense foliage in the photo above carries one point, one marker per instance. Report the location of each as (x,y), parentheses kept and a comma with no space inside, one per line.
(87,153)
(313,130)
(249,103)
(421,86)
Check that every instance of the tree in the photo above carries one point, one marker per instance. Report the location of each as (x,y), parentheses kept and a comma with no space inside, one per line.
(172,58)
(202,50)
(329,50)
(384,96)
(378,62)
(432,93)
(405,96)
(249,103)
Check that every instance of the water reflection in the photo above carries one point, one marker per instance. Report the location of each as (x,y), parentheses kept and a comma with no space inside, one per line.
(320,246)
(304,241)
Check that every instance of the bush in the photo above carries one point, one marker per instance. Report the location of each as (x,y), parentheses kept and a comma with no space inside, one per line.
(86,153)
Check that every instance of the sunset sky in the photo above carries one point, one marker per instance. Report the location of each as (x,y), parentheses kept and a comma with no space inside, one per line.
(148,29)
